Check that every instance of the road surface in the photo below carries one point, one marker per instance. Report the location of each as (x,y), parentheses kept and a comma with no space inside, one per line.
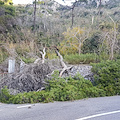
(104,108)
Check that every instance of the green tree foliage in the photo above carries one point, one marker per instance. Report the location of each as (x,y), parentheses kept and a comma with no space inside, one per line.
(8,9)
(7,22)
(1,2)
(73,42)
(7,2)
(91,45)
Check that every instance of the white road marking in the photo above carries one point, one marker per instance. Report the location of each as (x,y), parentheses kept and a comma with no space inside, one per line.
(24,106)
(98,115)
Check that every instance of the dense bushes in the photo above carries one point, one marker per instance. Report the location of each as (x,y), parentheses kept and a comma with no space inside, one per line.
(58,89)
(91,45)
(107,76)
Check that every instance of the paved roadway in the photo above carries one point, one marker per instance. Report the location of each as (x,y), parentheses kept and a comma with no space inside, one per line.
(104,108)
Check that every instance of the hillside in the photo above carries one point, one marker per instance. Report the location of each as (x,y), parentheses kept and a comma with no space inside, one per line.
(52,23)
(39,39)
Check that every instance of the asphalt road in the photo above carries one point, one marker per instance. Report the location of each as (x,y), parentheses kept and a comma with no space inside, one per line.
(104,108)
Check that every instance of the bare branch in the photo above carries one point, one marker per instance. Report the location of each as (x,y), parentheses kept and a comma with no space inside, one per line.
(65,68)
(61,60)
(43,55)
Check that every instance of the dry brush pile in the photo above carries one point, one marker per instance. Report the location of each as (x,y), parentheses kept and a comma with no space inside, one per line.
(32,78)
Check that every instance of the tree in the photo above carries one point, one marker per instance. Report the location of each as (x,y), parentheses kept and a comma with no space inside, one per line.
(7,6)
(34,22)
(91,45)
(73,7)
(7,2)
(113,39)
(74,4)
(1,2)
(74,39)
(100,5)
(109,38)
(35,10)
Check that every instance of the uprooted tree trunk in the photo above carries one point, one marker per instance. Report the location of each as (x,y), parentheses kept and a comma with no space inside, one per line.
(65,68)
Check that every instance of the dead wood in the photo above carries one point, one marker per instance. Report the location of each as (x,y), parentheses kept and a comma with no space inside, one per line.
(65,68)
(38,60)
(31,78)
(43,55)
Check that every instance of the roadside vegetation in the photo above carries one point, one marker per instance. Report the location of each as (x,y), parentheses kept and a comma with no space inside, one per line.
(58,89)
(106,83)
(93,38)
(107,76)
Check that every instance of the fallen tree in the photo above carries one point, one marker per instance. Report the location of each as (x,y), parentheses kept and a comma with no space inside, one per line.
(64,66)
(31,78)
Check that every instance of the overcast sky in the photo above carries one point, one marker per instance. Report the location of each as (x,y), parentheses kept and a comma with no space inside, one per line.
(22,1)
(67,2)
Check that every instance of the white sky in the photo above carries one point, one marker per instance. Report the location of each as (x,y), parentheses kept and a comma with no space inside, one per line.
(22,1)
(67,2)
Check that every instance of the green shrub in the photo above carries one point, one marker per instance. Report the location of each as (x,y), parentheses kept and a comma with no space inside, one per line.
(4,95)
(31,97)
(91,45)
(107,76)
(82,58)
(73,88)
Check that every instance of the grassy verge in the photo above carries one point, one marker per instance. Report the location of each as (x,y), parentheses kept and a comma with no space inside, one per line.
(82,58)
